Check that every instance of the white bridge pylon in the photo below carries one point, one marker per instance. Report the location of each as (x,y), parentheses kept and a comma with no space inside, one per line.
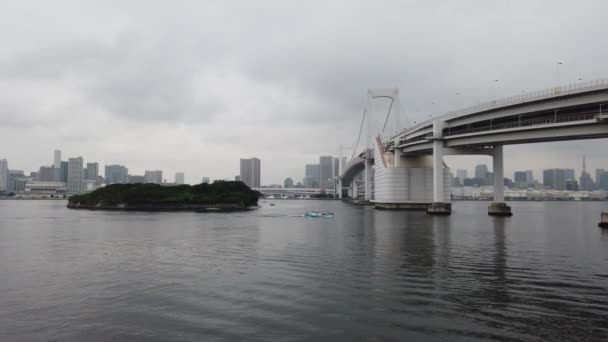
(394,108)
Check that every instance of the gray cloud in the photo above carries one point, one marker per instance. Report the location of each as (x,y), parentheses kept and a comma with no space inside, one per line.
(194,86)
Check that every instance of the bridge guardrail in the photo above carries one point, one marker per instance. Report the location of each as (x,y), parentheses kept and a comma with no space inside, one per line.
(528,123)
(525,97)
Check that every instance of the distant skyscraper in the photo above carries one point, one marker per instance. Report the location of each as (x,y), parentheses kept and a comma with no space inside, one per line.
(62,172)
(461,174)
(75,175)
(519,177)
(311,176)
(92,171)
(116,174)
(586,183)
(529,177)
(288,183)
(250,172)
(237,178)
(206,180)
(57,159)
(325,171)
(179,178)
(523,178)
(155,176)
(481,171)
(47,173)
(569,174)
(598,175)
(3,174)
(554,179)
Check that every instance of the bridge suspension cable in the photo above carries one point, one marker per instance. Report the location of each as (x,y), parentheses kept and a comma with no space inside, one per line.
(388,114)
(359,135)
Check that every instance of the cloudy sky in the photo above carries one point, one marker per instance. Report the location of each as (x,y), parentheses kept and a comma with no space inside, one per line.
(193,86)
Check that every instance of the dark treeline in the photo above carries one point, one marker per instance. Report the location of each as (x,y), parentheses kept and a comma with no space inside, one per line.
(220,192)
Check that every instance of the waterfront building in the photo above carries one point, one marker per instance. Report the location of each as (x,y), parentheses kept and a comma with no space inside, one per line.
(45,188)
(155,176)
(13,176)
(116,174)
(92,171)
(325,171)
(3,174)
(75,175)
(288,183)
(571,185)
(89,185)
(251,172)
(179,178)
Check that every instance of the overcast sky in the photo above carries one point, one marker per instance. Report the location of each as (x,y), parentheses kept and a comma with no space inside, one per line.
(193,86)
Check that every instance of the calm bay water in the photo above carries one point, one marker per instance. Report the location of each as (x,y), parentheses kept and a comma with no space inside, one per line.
(269,275)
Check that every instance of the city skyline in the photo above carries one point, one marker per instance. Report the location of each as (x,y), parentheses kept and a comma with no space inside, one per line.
(332,163)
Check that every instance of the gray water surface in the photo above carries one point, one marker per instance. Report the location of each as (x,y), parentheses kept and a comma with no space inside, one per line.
(269,275)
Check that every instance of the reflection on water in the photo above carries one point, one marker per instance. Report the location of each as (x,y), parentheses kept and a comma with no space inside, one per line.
(272,275)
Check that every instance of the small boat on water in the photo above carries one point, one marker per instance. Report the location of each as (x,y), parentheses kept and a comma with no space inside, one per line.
(325,214)
(272,204)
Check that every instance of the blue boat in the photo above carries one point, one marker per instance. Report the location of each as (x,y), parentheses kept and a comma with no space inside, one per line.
(325,214)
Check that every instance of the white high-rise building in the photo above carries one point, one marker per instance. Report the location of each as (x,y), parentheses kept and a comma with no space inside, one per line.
(155,176)
(57,159)
(75,175)
(179,178)
(3,174)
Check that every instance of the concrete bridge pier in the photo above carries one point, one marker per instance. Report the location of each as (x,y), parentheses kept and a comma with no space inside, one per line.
(439,205)
(368,179)
(499,207)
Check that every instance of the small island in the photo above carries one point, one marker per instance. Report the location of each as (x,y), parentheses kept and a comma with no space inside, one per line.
(219,196)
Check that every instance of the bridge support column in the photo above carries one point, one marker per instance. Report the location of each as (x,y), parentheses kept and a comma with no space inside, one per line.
(499,207)
(397,157)
(368,180)
(439,206)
